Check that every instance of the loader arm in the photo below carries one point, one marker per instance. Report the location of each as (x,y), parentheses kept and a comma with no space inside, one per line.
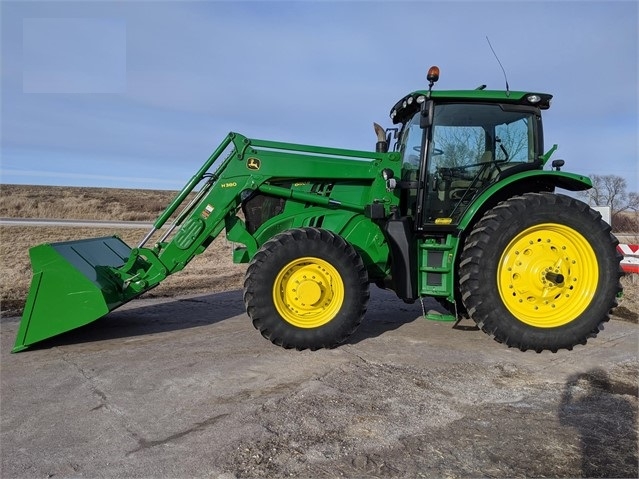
(77,282)
(251,166)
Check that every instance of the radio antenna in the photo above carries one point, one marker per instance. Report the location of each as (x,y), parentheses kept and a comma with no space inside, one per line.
(502,67)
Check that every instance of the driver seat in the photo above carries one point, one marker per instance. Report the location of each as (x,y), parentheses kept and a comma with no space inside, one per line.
(459,187)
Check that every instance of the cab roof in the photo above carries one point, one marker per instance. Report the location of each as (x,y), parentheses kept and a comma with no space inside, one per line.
(408,105)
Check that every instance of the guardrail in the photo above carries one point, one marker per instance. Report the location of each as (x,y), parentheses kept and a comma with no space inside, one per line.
(630,261)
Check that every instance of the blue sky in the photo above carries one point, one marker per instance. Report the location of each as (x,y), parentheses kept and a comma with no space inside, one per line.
(137,94)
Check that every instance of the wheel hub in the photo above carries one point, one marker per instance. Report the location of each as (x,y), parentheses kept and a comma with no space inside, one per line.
(306,287)
(548,275)
(555,277)
(308,292)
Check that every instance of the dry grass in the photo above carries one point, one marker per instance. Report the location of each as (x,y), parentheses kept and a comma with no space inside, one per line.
(628,309)
(209,272)
(65,202)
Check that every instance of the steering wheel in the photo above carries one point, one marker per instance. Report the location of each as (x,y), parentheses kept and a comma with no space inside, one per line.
(463,167)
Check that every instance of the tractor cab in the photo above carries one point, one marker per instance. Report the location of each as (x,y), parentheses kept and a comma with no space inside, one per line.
(455,144)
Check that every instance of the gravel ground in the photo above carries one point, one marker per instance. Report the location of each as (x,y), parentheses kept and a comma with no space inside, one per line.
(187,388)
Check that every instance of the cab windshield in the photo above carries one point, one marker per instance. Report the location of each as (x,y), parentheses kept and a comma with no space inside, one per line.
(464,134)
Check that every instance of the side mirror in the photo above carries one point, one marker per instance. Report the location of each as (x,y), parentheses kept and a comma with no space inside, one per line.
(426,117)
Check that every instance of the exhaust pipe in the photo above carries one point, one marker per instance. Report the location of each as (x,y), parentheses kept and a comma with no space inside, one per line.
(382,144)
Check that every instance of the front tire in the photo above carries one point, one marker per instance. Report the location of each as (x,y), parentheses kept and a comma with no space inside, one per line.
(306,288)
(540,271)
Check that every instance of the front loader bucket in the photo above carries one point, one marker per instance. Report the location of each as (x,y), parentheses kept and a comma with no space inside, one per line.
(72,285)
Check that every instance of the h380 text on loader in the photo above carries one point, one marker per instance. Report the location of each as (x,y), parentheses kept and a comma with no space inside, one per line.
(455,203)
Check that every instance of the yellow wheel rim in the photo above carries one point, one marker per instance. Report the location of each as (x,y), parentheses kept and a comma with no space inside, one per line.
(548,275)
(308,292)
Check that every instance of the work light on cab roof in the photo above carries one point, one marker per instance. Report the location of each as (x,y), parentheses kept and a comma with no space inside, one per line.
(432,77)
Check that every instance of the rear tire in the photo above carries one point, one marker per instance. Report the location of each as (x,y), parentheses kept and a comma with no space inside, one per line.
(306,288)
(540,271)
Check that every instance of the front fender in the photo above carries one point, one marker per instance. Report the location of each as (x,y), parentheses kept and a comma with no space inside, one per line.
(363,233)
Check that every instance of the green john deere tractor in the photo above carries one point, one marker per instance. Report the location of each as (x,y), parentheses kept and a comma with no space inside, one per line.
(457,203)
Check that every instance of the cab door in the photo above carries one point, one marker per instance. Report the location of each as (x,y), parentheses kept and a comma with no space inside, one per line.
(469,147)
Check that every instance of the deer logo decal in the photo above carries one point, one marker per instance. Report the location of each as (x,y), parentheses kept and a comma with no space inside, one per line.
(253,164)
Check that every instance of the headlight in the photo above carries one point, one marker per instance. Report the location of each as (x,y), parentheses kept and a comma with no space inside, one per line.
(387,174)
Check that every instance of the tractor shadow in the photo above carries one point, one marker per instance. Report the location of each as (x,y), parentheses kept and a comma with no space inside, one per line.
(385,313)
(171,315)
(603,412)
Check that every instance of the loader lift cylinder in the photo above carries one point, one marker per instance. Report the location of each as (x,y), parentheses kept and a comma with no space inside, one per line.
(193,182)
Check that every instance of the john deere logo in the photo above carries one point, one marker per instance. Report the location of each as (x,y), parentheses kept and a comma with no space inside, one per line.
(253,164)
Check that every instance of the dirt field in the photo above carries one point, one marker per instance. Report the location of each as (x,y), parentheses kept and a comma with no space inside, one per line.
(66,202)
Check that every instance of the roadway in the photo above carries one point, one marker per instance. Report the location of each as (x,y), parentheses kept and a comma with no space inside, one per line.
(73,223)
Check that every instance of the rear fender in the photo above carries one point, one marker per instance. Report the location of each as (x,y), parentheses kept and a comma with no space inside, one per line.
(525,182)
